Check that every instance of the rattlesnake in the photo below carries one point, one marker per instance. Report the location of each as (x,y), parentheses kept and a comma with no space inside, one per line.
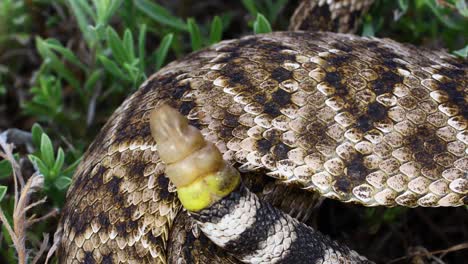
(361,120)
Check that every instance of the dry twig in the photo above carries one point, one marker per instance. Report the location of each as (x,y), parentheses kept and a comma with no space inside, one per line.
(443,252)
(22,196)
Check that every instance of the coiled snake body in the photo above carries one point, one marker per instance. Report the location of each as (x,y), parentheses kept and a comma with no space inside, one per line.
(361,120)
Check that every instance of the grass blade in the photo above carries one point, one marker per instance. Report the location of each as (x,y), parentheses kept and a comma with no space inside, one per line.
(403,4)
(216,31)
(112,68)
(82,19)
(92,79)
(261,25)
(445,19)
(3,190)
(141,47)
(163,49)
(160,14)
(116,45)
(463,53)
(462,8)
(195,35)
(274,9)
(250,6)
(50,59)
(128,45)
(65,52)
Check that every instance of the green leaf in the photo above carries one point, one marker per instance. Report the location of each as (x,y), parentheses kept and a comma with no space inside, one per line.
(195,35)
(10,254)
(40,165)
(50,59)
(36,132)
(5,169)
(261,25)
(132,70)
(462,8)
(462,52)
(71,168)
(163,49)
(445,19)
(99,32)
(105,9)
(62,182)
(87,8)
(116,45)
(3,190)
(47,100)
(216,30)
(368,29)
(92,79)
(79,10)
(390,215)
(3,90)
(65,52)
(101,10)
(141,47)
(250,6)
(128,44)
(274,8)
(404,4)
(59,161)
(112,68)
(160,14)
(47,150)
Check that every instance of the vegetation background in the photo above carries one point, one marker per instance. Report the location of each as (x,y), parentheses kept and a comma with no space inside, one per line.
(66,65)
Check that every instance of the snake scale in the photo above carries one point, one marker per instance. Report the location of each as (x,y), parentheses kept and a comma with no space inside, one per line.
(362,120)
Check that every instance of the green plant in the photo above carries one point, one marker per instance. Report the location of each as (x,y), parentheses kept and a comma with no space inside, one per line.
(119,62)
(93,18)
(3,190)
(49,49)
(413,21)
(6,169)
(161,52)
(216,30)
(271,8)
(197,40)
(462,52)
(261,25)
(161,15)
(123,52)
(377,217)
(50,164)
(14,23)
(47,100)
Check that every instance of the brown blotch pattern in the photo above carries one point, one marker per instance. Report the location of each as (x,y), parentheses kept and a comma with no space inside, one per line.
(335,16)
(355,119)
